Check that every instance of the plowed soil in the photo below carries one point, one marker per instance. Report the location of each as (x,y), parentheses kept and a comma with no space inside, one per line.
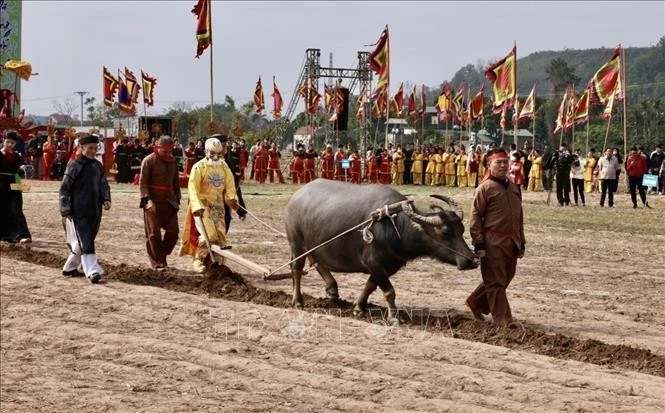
(588,298)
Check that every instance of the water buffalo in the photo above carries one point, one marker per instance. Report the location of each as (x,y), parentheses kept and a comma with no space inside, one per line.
(323,209)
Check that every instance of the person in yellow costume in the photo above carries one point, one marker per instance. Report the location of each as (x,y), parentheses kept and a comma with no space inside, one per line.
(417,166)
(430,170)
(536,171)
(398,167)
(589,166)
(450,169)
(461,160)
(210,186)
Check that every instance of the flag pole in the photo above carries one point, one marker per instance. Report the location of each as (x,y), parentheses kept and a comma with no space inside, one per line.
(387,87)
(573,124)
(212,116)
(516,94)
(587,133)
(607,131)
(624,91)
(422,118)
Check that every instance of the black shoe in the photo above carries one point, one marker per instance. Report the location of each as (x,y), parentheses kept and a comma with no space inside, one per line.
(646,205)
(94,278)
(73,273)
(634,205)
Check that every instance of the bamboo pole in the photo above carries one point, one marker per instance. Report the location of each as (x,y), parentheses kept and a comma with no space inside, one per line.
(516,94)
(607,131)
(587,136)
(387,86)
(623,86)
(212,101)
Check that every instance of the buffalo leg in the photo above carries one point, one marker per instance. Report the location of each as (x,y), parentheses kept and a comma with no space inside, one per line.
(331,285)
(297,301)
(360,306)
(389,294)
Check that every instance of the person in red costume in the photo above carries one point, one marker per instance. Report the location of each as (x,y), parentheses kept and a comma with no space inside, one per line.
(261,163)
(49,150)
(274,155)
(328,163)
(340,155)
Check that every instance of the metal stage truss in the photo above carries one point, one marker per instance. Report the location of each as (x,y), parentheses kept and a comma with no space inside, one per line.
(361,75)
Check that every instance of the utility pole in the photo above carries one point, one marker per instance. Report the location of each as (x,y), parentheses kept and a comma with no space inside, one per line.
(81,93)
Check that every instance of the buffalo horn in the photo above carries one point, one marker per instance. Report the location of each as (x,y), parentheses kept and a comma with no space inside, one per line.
(453,204)
(413,215)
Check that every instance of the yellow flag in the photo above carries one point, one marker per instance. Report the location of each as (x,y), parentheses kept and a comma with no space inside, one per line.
(20,68)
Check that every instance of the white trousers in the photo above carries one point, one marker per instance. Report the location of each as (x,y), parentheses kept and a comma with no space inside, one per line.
(76,259)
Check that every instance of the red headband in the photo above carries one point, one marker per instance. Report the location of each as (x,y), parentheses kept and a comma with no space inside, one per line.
(496,156)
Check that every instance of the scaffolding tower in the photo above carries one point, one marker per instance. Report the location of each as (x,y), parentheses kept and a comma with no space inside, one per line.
(362,75)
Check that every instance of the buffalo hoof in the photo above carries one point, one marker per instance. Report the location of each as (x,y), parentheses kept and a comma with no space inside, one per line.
(297,302)
(359,309)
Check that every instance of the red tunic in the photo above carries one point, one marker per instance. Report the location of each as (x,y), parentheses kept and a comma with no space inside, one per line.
(327,165)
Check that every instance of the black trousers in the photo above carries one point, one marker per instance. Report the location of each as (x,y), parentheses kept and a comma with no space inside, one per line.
(13,226)
(578,188)
(86,231)
(563,190)
(607,186)
(634,185)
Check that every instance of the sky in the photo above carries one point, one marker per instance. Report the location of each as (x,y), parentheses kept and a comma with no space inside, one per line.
(67,43)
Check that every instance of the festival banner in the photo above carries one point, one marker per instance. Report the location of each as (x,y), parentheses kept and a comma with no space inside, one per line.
(503,77)
(203,26)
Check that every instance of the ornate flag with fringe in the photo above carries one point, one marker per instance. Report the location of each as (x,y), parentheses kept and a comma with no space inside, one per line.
(314,97)
(444,102)
(411,110)
(360,114)
(459,105)
(329,98)
(277,101)
(133,87)
(581,113)
(109,86)
(561,114)
(397,102)
(125,88)
(502,121)
(503,76)
(379,105)
(607,82)
(203,25)
(476,105)
(149,84)
(570,109)
(423,103)
(259,102)
(379,61)
(607,113)
(529,108)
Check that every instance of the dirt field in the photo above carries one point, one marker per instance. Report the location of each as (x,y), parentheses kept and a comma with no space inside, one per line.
(589,297)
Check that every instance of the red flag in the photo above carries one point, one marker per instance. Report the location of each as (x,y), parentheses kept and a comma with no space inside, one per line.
(149,84)
(360,114)
(561,115)
(411,110)
(109,86)
(502,122)
(503,76)
(329,98)
(570,109)
(277,100)
(379,105)
(529,108)
(607,113)
(459,105)
(203,26)
(379,60)
(259,102)
(581,113)
(607,82)
(132,85)
(423,102)
(397,102)
(476,105)
(314,97)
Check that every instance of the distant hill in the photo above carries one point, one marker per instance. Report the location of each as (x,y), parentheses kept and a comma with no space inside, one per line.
(645,71)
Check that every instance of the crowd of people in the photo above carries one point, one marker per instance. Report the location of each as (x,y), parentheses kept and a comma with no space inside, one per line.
(214,173)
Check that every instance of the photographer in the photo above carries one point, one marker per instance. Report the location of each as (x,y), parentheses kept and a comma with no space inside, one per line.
(563,160)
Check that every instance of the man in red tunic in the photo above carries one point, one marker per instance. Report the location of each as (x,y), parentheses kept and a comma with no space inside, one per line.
(327,163)
(190,157)
(261,163)
(340,155)
(497,233)
(310,164)
(354,167)
(243,157)
(384,167)
(298,165)
(49,150)
(160,201)
(274,155)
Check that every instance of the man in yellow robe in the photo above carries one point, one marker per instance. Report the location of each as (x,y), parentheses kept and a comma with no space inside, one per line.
(589,166)
(210,186)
